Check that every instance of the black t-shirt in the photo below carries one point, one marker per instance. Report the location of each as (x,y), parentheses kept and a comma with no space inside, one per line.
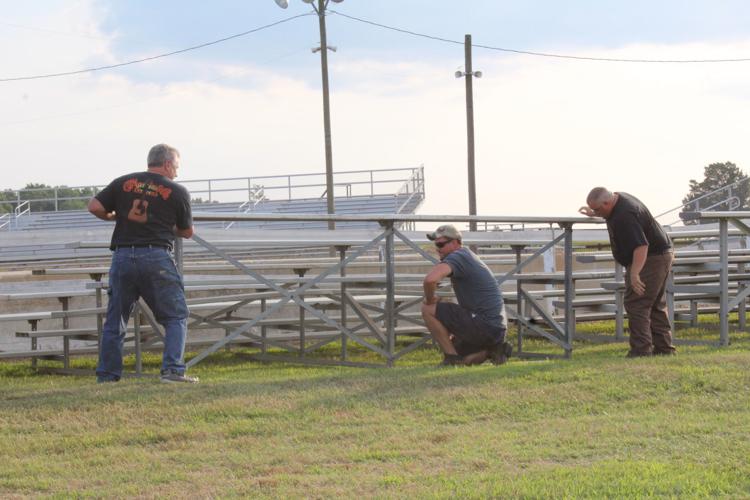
(148,207)
(631,225)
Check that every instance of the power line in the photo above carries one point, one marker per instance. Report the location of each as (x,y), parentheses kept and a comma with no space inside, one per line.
(131,103)
(181,51)
(539,54)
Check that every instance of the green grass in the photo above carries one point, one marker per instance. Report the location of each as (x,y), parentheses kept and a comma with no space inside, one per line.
(598,425)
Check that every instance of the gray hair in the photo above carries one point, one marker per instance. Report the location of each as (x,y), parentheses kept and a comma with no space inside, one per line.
(160,154)
(599,195)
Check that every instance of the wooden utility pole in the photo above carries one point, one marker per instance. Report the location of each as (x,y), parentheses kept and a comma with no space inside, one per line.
(469,74)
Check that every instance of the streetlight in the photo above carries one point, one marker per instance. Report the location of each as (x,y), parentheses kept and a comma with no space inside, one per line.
(320,9)
(470,125)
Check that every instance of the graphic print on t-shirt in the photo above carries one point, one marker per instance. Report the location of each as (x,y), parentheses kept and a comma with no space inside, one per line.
(139,210)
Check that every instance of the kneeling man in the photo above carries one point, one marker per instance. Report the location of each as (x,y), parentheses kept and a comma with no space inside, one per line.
(473,330)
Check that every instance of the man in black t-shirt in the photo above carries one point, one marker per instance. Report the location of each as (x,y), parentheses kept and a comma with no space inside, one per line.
(641,246)
(149,210)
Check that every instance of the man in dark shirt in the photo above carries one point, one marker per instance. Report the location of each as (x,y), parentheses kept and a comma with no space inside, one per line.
(473,330)
(149,209)
(641,246)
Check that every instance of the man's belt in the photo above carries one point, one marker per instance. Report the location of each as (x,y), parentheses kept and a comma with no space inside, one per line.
(142,245)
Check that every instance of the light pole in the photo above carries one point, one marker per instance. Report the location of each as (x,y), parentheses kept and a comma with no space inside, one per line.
(469,74)
(320,9)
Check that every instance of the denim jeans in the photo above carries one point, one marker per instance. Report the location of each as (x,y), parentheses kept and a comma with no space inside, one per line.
(147,272)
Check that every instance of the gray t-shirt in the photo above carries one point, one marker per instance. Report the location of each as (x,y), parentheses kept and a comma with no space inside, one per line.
(476,288)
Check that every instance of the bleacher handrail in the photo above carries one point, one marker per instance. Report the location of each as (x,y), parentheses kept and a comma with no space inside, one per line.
(349,179)
(21,209)
(694,204)
(248,206)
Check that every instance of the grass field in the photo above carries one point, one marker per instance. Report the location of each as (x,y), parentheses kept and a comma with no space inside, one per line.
(598,425)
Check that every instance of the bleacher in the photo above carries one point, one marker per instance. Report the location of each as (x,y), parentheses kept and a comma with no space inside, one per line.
(365,193)
(363,205)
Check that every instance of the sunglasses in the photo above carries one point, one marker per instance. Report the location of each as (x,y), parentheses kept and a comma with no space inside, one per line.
(441,244)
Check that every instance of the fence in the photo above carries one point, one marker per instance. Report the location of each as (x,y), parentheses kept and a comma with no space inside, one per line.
(293,186)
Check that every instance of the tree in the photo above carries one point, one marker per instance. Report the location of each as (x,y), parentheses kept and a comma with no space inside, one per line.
(735,194)
(7,197)
(41,198)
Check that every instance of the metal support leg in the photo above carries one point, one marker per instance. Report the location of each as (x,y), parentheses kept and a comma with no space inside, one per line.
(179,257)
(342,256)
(263,329)
(724,283)
(137,339)
(570,320)
(742,306)
(301,271)
(65,301)
(390,285)
(670,299)
(519,302)
(693,313)
(619,305)
(33,325)
(99,316)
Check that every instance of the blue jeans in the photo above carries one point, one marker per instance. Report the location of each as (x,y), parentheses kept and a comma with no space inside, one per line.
(147,272)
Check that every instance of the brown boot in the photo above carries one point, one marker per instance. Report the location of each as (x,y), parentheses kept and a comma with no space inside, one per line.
(452,360)
(499,353)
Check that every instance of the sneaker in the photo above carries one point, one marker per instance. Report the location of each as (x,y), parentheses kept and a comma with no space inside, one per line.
(452,360)
(500,353)
(107,380)
(177,378)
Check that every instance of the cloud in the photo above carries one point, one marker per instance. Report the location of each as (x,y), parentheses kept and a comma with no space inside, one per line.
(546,130)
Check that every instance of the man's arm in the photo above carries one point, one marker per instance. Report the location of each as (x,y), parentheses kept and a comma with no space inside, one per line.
(184,233)
(96,208)
(431,281)
(639,260)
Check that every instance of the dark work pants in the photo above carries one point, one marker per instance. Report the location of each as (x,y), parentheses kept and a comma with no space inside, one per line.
(648,320)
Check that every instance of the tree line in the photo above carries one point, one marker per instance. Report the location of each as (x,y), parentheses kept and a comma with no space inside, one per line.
(41,198)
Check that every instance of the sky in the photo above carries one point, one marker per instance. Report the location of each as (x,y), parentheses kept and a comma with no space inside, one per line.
(547,129)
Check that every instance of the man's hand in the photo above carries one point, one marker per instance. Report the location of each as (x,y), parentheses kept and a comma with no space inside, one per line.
(184,233)
(586,211)
(433,300)
(96,208)
(639,287)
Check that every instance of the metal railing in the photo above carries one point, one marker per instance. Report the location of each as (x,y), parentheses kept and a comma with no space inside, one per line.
(349,183)
(367,331)
(21,210)
(727,302)
(256,196)
(731,202)
(414,187)
(237,189)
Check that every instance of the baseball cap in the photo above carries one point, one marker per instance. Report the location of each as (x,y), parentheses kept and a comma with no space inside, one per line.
(445,231)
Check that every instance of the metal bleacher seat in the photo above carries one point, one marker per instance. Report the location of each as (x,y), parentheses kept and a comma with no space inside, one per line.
(404,199)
